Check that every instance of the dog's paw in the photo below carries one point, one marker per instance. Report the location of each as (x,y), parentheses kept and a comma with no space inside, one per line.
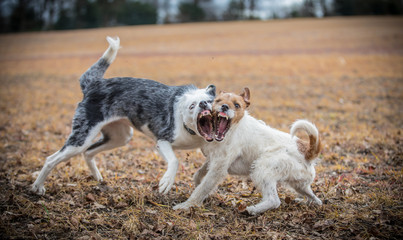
(299,200)
(252,210)
(183,206)
(40,190)
(317,202)
(98,178)
(166,183)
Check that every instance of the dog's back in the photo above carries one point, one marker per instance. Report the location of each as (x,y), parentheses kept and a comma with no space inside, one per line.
(142,101)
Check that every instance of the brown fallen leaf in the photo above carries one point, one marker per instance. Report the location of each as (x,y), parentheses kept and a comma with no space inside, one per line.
(208,214)
(157,204)
(242,207)
(322,224)
(121,204)
(90,197)
(74,221)
(98,206)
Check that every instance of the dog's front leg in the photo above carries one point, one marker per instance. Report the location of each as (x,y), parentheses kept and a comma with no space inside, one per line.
(166,151)
(216,174)
(199,175)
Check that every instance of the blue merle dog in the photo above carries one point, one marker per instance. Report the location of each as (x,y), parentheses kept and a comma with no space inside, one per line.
(174,116)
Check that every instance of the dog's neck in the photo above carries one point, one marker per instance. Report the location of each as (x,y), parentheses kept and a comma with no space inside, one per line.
(190,131)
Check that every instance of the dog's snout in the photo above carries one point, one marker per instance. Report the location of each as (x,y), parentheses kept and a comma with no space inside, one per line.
(203,104)
(224,107)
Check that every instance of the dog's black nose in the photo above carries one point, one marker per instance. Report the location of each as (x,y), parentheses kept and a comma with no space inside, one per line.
(224,107)
(203,104)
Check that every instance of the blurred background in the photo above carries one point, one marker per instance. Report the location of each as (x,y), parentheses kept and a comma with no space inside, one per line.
(301,59)
(39,15)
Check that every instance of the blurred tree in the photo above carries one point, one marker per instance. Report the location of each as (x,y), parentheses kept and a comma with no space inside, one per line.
(87,14)
(24,17)
(3,24)
(65,20)
(235,10)
(108,11)
(49,10)
(308,9)
(367,7)
(135,13)
(251,9)
(81,14)
(343,7)
(324,8)
(30,15)
(104,13)
(163,15)
(191,12)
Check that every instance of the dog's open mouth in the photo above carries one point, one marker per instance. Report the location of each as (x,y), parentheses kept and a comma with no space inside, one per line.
(223,124)
(205,125)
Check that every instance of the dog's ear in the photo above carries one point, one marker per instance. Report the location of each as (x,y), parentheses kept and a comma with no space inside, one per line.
(210,89)
(246,96)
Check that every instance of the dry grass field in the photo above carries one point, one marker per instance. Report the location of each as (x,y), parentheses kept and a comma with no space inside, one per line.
(343,74)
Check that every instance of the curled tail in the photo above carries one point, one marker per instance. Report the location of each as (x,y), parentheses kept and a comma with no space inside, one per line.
(97,70)
(309,150)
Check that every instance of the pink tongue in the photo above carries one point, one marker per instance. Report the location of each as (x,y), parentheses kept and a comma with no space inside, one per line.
(221,127)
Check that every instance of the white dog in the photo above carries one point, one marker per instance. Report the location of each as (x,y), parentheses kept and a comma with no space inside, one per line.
(251,148)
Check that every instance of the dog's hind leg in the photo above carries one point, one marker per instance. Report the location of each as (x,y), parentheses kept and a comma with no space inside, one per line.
(266,173)
(79,140)
(115,134)
(270,199)
(64,154)
(307,192)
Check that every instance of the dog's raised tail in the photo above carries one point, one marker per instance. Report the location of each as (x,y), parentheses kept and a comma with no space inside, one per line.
(110,54)
(97,70)
(309,150)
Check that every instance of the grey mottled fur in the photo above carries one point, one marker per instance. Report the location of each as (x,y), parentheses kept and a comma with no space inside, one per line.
(142,101)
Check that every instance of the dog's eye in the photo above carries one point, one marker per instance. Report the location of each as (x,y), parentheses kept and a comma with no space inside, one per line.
(210,101)
(237,105)
(192,106)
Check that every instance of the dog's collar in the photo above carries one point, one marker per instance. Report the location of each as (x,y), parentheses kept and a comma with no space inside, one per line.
(190,131)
